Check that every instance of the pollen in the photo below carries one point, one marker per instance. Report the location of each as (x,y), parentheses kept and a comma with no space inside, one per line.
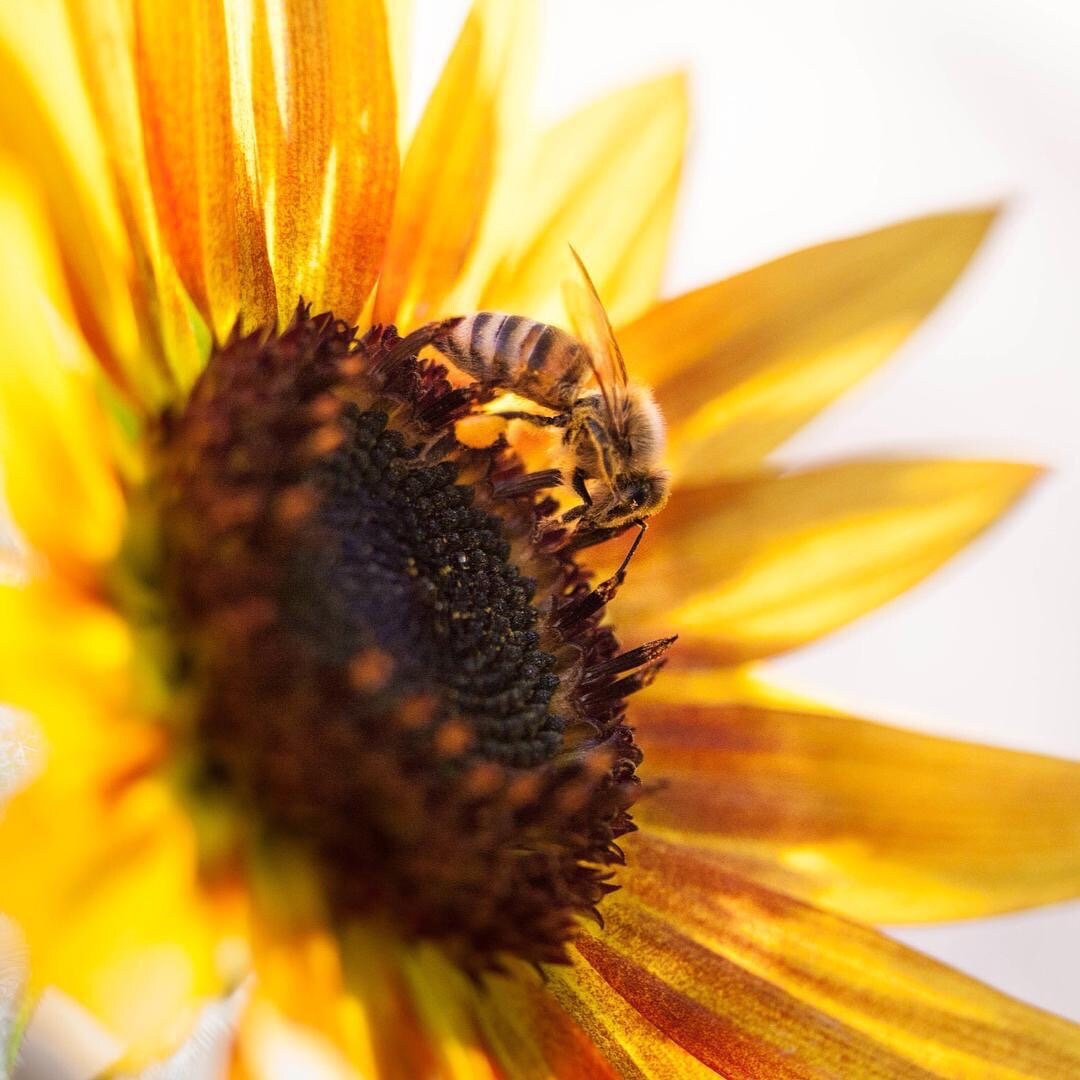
(371,669)
(390,658)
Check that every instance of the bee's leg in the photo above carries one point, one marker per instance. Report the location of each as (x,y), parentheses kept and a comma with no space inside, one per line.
(435,334)
(558,420)
(411,344)
(577,482)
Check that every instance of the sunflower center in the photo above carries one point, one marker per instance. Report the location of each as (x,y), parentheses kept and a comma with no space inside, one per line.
(384,653)
(409,584)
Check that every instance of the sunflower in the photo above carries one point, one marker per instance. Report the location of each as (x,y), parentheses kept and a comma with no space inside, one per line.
(329,686)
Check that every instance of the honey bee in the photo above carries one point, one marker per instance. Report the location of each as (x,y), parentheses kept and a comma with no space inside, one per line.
(614,434)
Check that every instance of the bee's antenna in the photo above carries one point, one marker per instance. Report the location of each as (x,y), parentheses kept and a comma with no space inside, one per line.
(586,606)
(621,572)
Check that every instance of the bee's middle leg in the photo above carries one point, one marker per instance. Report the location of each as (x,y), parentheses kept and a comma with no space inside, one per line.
(577,482)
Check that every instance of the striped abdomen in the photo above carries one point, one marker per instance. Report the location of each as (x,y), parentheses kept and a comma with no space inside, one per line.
(509,352)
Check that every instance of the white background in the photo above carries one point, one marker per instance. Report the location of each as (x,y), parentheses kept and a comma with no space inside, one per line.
(817,118)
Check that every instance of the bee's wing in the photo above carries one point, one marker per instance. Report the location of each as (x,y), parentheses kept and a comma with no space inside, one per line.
(593,329)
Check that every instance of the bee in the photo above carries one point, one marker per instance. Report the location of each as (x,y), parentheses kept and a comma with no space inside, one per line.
(613,433)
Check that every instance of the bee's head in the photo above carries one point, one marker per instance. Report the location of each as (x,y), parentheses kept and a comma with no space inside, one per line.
(634,496)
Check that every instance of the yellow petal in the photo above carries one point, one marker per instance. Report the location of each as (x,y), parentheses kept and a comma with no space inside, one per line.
(332,161)
(52,436)
(399,18)
(757,984)
(37,41)
(451,163)
(764,565)
(104,37)
(105,892)
(443,998)
(63,657)
(876,823)
(363,992)
(743,363)
(605,181)
(389,1008)
(46,127)
(202,175)
(299,973)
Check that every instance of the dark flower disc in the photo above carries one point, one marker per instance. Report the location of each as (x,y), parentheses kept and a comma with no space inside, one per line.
(388,655)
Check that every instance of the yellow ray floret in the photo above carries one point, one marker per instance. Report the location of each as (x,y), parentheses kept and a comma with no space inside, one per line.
(871,821)
(452,162)
(760,566)
(741,364)
(604,180)
(52,435)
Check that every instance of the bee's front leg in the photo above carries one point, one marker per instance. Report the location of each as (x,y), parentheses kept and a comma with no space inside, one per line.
(558,420)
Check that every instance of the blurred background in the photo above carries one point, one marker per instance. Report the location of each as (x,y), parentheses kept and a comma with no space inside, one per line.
(814,119)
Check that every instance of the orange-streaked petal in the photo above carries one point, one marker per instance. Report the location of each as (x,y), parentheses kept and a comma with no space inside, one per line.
(531,1035)
(632,1044)
(759,566)
(877,823)
(605,181)
(451,164)
(741,364)
(722,1019)
(52,435)
(202,174)
(332,162)
(757,983)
